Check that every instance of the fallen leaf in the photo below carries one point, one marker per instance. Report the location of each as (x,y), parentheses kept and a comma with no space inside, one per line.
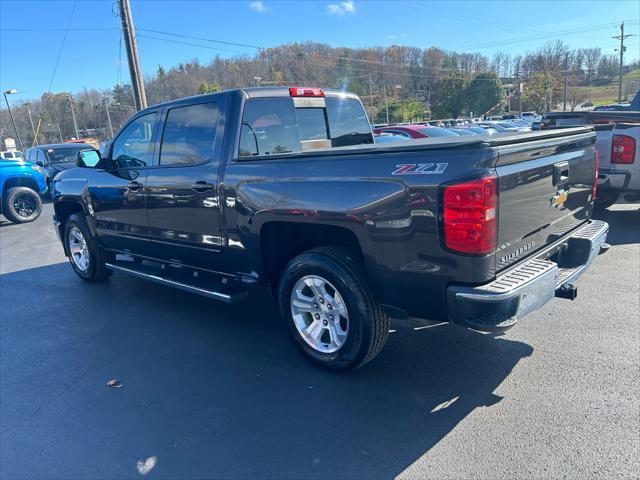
(146,466)
(114,383)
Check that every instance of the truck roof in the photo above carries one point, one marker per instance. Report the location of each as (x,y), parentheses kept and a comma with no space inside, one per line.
(253,92)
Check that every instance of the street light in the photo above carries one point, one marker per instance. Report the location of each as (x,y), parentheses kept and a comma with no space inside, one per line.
(11,92)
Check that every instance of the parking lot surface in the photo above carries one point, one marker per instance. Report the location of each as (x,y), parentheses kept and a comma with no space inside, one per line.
(218,391)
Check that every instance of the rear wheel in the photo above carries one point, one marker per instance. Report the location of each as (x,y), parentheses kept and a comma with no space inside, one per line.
(85,255)
(330,312)
(22,205)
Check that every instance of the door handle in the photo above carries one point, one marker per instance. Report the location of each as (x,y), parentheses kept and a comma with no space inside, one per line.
(134,186)
(202,186)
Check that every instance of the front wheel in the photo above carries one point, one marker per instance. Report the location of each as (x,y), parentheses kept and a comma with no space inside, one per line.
(22,205)
(331,314)
(85,255)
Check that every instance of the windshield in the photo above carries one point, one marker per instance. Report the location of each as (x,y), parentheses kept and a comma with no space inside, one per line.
(437,132)
(65,154)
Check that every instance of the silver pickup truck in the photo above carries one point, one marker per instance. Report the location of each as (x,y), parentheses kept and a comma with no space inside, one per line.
(617,143)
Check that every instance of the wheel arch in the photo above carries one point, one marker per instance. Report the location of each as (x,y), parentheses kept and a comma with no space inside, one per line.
(20,182)
(299,237)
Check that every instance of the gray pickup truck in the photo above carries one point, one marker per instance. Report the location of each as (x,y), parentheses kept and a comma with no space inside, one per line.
(617,143)
(284,187)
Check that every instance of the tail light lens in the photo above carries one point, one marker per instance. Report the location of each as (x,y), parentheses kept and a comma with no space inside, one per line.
(595,180)
(623,149)
(470,216)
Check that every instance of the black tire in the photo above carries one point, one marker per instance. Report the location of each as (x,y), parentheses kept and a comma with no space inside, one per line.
(368,325)
(21,205)
(605,198)
(96,270)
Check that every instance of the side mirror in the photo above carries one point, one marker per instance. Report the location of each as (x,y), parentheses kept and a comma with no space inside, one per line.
(87,158)
(40,163)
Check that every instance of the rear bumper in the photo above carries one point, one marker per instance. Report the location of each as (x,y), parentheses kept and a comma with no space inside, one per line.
(528,286)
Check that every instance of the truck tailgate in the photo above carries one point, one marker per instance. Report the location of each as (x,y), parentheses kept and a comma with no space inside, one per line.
(545,189)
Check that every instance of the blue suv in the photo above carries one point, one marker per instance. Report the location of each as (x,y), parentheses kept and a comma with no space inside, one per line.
(21,184)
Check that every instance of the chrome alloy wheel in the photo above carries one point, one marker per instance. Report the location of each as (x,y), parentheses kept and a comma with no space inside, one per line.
(78,249)
(319,313)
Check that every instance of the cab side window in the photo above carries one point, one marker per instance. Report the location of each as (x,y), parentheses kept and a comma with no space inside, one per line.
(189,135)
(133,147)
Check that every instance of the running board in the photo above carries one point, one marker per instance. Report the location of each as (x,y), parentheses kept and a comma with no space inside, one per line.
(205,288)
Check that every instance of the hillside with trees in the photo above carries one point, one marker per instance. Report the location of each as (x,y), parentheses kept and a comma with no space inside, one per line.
(401,83)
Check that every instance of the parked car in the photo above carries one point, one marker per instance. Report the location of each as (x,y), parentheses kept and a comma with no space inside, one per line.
(617,140)
(388,138)
(416,131)
(54,158)
(11,155)
(21,185)
(462,131)
(288,190)
(503,126)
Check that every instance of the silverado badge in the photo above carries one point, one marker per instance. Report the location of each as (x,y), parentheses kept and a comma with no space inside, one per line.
(559,198)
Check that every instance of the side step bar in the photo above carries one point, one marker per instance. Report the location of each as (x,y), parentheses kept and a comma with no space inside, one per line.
(206,289)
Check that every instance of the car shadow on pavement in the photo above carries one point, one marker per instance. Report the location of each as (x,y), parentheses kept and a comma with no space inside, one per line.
(215,390)
(624,225)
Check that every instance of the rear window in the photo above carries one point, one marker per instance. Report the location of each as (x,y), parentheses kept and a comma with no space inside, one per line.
(273,126)
(437,132)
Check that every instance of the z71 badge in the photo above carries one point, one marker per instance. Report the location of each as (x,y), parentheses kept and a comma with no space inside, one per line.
(420,169)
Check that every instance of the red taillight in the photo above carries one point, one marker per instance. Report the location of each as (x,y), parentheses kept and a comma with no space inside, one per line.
(305,92)
(470,216)
(623,149)
(595,180)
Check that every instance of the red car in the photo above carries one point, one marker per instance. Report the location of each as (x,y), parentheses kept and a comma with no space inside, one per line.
(416,131)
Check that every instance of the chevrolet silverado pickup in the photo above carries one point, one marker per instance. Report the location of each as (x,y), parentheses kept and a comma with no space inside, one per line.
(285,187)
(617,139)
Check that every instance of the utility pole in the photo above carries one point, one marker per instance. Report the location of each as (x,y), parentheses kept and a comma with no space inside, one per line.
(11,115)
(35,138)
(370,96)
(520,99)
(131,46)
(60,132)
(106,106)
(621,37)
(566,62)
(73,116)
(386,103)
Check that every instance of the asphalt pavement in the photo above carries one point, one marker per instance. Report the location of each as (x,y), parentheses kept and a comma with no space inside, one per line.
(210,390)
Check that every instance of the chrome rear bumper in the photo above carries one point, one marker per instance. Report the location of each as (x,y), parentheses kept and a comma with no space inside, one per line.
(498,305)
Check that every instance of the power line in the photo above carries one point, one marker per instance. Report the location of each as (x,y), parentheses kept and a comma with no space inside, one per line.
(234,44)
(64,39)
(186,43)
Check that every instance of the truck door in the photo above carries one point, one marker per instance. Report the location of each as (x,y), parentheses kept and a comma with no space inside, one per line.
(182,190)
(117,195)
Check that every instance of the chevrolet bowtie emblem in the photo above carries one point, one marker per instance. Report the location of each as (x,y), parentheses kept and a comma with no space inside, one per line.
(559,198)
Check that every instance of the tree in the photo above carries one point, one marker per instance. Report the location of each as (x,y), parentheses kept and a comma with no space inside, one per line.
(575,97)
(208,88)
(483,93)
(533,95)
(447,97)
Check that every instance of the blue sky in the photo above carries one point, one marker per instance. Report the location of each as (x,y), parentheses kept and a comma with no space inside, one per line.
(32,31)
